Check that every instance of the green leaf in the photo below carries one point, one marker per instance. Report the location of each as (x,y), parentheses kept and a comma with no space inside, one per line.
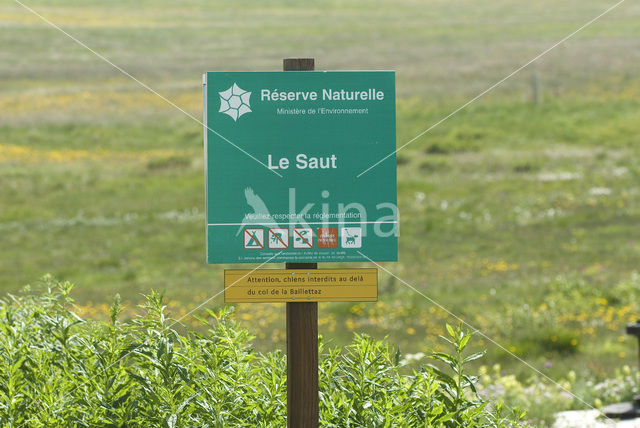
(463,343)
(474,357)
(450,331)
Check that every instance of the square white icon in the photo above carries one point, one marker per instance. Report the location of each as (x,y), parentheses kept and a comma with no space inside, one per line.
(302,238)
(278,238)
(253,238)
(351,237)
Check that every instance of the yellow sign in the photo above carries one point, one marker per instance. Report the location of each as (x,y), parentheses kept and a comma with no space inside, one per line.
(300,285)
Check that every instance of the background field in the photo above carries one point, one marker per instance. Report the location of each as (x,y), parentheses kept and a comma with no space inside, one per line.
(521,219)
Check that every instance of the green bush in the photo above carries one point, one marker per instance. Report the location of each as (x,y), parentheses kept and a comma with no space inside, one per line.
(57,369)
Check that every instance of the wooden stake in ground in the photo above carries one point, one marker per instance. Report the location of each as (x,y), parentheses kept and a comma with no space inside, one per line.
(302,360)
(302,335)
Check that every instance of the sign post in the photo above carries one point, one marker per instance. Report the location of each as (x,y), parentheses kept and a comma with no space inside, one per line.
(300,168)
(302,334)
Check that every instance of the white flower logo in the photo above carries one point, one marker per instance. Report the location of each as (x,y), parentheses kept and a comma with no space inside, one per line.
(235,102)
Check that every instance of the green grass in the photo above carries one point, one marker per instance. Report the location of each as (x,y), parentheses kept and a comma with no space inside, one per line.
(506,208)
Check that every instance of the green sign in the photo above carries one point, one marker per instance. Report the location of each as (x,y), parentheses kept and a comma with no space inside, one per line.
(294,170)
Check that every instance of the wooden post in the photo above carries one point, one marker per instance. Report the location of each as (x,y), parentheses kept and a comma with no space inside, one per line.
(535,88)
(302,361)
(302,335)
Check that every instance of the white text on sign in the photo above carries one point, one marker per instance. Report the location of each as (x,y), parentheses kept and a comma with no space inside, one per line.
(305,162)
(327,94)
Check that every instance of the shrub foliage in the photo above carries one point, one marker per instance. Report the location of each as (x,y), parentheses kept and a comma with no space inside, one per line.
(57,369)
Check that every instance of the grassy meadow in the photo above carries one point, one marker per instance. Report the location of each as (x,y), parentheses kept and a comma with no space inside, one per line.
(522,219)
